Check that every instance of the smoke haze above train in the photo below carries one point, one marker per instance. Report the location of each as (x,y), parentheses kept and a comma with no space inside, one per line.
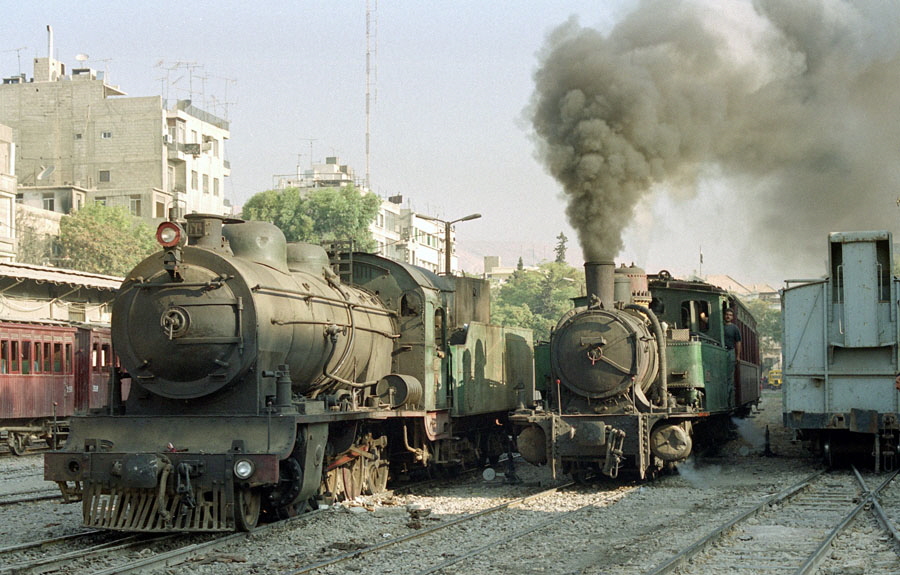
(791,105)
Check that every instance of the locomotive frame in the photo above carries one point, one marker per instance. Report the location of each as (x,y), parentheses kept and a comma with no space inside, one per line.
(260,382)
(632,370)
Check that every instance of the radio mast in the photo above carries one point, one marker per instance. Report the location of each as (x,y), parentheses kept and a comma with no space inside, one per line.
(370,80)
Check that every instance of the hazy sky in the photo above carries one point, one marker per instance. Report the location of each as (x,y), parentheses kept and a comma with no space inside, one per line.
(450,85)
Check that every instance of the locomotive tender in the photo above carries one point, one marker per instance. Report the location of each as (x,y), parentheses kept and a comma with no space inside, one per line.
(632,371)
(259,381)
(840,352)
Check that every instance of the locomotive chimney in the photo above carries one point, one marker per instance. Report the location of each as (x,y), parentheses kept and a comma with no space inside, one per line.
(600,280)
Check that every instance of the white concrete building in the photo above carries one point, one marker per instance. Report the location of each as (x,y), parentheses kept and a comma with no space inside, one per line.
(331,174)
(405,235)
(402,234)
(7,195)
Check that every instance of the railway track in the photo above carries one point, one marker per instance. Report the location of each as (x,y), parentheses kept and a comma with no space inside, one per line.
(439,536)
(33,450)
(102,548)
(789,532)
(96,546)
(29,496)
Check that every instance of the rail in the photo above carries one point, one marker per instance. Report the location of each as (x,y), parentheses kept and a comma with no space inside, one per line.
(839,502)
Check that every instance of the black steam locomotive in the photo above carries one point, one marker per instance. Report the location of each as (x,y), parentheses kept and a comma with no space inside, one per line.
(630,371)
(263,377)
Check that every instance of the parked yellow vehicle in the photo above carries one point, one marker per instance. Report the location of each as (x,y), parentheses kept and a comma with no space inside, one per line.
(774,378)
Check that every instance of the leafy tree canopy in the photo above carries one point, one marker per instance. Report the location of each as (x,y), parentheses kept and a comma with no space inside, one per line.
(318,215)
(768,320)
(104,240)
(536,299)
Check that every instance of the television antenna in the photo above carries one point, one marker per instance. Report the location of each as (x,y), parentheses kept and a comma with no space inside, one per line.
(18,52)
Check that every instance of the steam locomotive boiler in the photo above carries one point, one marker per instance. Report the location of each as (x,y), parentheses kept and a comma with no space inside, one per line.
(632,370)
(261,380)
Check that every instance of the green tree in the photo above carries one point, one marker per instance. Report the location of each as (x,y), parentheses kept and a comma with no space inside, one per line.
(285,209)
(537,298)
(104,240)
(343,214)
(322,214)
(561,248)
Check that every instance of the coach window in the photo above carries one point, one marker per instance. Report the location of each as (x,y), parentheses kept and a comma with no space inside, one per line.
(48,357)
(57,358)
(38,364)
(69,366)
(26,357)
(106,356)
(4,356)
(14,357)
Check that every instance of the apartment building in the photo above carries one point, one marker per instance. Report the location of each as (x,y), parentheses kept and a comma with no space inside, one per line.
(401,233)
(80,139)
(7,195)
(404,235)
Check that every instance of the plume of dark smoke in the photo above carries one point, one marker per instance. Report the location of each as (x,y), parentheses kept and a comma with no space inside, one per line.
(796,104)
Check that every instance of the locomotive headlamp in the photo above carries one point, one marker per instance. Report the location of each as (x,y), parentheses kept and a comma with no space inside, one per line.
(169,234)
(243,468)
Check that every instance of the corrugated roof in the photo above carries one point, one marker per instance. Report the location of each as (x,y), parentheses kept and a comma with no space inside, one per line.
(60,276)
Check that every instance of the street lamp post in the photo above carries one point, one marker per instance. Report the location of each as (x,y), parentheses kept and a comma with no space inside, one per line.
(447,250)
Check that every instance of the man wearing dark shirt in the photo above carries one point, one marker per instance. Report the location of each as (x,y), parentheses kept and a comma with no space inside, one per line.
(732,334)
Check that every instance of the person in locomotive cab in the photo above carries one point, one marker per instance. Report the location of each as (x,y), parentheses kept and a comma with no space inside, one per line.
(733,345)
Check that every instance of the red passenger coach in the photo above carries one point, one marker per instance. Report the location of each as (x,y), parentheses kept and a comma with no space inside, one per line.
(49,371)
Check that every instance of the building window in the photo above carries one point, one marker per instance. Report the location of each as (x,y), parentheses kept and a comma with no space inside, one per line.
(205,183)
(49,202)
(134,205)
(106,135)
(193,179)
(104,176)
(215,186)
(194,139)
(100,200)
(77,311)
(78,136)
(160,210)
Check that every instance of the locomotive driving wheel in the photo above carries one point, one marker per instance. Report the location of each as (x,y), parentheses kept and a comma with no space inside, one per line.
(377,472)
(247,503)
